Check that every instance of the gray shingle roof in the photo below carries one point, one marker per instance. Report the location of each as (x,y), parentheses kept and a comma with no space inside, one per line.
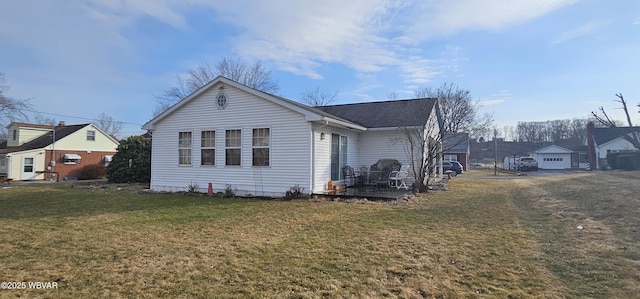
(457,143)
(604,135)
(44,140)
(414,112)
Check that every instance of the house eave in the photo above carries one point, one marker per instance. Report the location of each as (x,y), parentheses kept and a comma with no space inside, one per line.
(343,124)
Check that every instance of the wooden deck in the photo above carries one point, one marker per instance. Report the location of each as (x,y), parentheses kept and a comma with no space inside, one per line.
(388,193)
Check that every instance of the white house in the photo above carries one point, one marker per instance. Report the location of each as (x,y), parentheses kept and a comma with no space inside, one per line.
(226,133)
(607,140)
(41,152)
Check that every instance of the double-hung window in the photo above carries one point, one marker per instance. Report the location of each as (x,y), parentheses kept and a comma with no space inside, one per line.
(233,147)
(91,135)
(260,146)
(208,148)
(184,148)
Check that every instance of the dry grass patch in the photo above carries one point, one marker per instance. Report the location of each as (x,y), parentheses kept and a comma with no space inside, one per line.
(469,242)
(600,260)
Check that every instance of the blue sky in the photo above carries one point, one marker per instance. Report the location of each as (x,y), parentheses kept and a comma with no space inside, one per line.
(523,60)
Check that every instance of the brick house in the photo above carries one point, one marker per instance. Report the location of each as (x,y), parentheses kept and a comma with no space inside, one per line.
(40,152)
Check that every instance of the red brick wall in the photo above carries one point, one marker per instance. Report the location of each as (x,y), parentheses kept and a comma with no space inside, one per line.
(73,170)
(462,158)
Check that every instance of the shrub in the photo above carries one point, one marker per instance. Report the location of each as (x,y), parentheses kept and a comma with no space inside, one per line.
(194,188)
(628,161)
(229,191)
(92,172)
(294,192)
(132,161)
(611,159)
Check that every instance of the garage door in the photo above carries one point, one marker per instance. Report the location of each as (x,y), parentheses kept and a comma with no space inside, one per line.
(548,161)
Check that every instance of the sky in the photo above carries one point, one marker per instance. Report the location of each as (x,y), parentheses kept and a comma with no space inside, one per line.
(522,60)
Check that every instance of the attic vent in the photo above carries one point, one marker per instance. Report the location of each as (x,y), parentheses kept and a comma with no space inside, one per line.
(221,100)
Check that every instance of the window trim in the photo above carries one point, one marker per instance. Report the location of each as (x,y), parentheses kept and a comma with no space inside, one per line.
(182,147)
(227,147)
(267,147)
(203,147)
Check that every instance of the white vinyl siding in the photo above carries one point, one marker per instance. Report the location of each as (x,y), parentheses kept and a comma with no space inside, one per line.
(322,153)
(289,143)
(375,145)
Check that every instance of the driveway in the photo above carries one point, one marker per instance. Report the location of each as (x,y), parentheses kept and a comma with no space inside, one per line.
(524,174)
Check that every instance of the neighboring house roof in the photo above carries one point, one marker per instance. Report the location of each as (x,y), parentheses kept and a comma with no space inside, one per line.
(414,112)
(310,113)
(604,135)
(27,125)
(553,149)
(44,140)
(456,143)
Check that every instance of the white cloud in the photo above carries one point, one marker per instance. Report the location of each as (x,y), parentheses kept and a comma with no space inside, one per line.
(491,102)
(583,30)
(429,19)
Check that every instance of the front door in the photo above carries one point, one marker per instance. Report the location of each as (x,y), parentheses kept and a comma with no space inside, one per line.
(575,160)
(28,171)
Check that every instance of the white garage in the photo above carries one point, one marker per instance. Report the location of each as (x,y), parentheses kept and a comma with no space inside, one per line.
(553,157)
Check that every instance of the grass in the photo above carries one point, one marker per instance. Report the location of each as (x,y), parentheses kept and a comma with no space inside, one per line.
(509,238)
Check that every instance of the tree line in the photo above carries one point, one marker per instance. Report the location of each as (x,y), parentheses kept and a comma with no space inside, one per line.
(548,131)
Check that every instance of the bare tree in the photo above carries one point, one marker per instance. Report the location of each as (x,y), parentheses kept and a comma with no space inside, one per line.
(422,140)
(316,97)
(392,95)
(44,120)
(11,109)
(605,120)
(459,111)
(254,75)
(108,125)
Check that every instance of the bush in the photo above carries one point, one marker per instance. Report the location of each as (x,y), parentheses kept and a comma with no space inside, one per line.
(294,192)
(229,191)
(194,188)
(611,160)
(627,160)
(132,161)
(92,172)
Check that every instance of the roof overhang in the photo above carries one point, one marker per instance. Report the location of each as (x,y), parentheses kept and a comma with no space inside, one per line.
(220,82)
(345,124)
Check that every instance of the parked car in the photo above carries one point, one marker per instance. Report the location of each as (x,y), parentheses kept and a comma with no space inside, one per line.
(527,163)
(460,165)
(455,167)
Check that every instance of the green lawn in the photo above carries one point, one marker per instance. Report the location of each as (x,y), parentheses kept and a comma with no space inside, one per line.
(502,238)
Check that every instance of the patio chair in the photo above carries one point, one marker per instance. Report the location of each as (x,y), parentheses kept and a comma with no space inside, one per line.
(399,178)
(349,176)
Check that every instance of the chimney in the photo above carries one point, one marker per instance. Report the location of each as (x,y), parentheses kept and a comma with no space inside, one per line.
(591,146)
(61,124)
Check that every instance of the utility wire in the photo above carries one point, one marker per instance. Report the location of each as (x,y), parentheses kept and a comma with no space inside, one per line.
(78,117)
